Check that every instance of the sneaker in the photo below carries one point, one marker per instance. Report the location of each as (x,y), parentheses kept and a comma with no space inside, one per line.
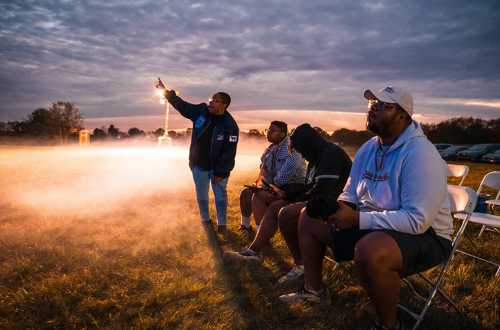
(302,295)
(246,255)
(379,326)
(296,273)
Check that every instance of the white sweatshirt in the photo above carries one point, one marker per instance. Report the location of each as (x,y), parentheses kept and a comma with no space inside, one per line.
(402,187)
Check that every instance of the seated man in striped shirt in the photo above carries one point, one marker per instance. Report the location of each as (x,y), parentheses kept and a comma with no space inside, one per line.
(279,170)
(327,172)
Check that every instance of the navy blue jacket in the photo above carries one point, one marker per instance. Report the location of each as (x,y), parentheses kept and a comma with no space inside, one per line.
(224,139)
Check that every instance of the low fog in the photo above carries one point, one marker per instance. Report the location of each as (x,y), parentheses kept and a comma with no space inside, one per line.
(97,231)
(98,178)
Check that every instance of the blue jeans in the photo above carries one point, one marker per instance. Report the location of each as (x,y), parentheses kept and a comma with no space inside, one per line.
(202,179)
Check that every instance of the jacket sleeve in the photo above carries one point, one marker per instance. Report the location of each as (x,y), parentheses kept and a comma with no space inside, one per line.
(225,162)
(423,192)
(186,109)
(328,184)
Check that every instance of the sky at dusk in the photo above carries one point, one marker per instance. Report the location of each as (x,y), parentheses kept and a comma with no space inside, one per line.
(291,60)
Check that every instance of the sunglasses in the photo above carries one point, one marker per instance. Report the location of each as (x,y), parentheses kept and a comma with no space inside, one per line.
(377,105)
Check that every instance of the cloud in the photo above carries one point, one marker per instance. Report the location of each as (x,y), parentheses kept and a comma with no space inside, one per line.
(267,54)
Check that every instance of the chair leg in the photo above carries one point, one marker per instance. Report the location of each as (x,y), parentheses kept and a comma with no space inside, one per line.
(481,231)
(441,293)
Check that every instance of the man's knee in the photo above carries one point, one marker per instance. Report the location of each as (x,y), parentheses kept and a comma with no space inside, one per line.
(276,207)
(284,217)
(246,194)
(374,252)
(258,196)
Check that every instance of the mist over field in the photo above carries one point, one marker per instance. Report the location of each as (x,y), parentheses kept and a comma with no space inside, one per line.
(95,179)
(108,233)
(109,236)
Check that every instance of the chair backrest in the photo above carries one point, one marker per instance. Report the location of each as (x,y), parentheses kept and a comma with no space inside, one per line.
(458,171)
(462,201)
(492,180)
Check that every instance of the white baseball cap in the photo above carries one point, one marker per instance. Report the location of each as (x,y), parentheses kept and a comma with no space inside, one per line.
(391,94)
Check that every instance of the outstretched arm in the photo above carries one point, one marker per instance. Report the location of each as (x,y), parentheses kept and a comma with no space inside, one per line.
(186,109)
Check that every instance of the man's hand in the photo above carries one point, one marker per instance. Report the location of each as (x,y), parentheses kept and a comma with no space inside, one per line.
(159,84)
(277,191)
(169,94)
(344,218)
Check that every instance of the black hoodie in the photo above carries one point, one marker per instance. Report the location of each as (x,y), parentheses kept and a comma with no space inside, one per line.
(327,170)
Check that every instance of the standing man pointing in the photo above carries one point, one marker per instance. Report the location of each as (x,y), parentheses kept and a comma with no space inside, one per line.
(212,151)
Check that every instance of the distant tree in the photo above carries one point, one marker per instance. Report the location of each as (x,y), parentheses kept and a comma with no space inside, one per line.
(60,120)
(346,136)
(42,123)
(66,117)
(99,134)
(255,133)
(113,132)
(135,132)
(159,132)
(463,131)
(16,127)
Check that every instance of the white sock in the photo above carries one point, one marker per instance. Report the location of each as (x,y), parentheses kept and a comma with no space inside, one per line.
(245,221)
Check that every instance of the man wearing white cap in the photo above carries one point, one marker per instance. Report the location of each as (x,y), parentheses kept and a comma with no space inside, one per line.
(393,218)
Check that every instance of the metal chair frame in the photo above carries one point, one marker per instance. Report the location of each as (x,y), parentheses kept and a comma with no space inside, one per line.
(462,202)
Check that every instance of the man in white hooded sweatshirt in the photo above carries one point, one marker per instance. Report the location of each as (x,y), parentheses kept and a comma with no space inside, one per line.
(393,218)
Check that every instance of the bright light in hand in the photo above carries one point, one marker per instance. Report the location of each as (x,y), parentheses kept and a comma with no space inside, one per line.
(159,92)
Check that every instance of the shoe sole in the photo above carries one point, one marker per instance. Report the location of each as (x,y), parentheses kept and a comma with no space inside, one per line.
(233,257)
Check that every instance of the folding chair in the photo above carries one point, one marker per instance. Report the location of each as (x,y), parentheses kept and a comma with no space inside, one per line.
(462,202)
(491,180)
(458,171)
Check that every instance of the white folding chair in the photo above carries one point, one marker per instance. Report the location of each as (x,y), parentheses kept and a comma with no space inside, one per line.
(458,171)
(491,180)
(462,202)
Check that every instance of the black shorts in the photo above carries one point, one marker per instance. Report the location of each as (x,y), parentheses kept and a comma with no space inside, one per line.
(420,252)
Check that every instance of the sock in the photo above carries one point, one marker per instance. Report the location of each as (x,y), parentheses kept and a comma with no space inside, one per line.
(245,221)
(314,292)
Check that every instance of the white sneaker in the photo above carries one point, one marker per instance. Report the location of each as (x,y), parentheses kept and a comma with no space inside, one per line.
(303,295)
(294,274)
(246,255)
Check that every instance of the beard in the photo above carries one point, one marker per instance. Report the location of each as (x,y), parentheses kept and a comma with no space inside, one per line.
(379,127)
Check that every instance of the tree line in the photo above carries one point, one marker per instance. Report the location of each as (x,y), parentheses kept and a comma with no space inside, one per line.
(63,121)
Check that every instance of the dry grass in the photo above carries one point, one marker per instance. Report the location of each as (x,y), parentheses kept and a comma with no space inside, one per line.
(146,262)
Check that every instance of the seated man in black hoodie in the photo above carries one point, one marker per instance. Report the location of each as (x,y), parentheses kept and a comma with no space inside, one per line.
(327,173)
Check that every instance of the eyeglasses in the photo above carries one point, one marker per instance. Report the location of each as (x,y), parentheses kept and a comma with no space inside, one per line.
(377,105)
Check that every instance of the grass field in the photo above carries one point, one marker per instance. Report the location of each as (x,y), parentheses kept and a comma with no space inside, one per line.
(111,239)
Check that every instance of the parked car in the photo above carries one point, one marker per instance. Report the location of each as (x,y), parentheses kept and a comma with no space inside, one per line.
(475,152)
(442,146)
(493,157)
(451,152)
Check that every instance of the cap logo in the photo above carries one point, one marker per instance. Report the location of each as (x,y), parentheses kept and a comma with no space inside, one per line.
(389,90)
